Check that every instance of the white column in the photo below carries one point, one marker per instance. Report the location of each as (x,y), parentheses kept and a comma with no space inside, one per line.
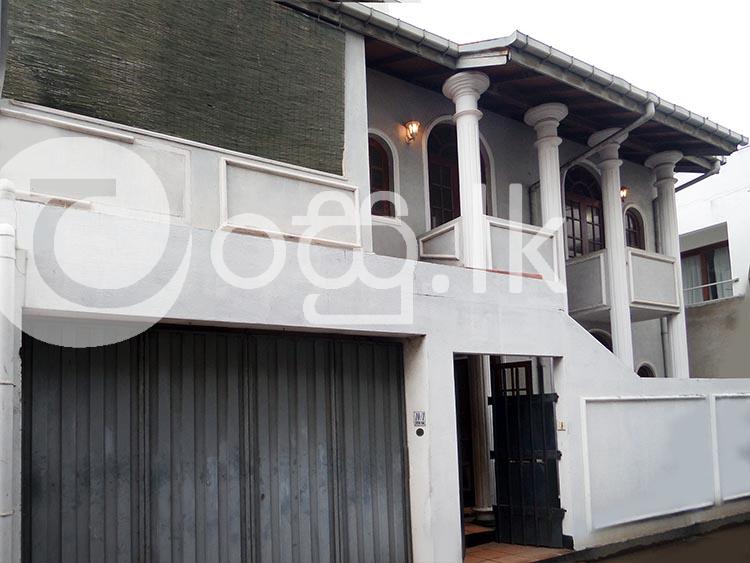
(479,385)
(609,163)
(545,119)
(9,542)
(464,89)
(663,165)
(435,500)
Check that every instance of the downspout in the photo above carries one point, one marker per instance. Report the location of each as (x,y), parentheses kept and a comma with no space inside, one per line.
(715,168)
(8,380)
(663,327)
(648,114)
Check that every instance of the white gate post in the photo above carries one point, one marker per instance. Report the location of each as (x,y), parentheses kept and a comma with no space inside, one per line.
(9,515)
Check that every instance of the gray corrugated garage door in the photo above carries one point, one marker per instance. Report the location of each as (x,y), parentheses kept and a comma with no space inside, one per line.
(185,445)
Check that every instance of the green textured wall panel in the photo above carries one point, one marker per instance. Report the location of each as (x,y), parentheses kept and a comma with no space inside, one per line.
(247,75)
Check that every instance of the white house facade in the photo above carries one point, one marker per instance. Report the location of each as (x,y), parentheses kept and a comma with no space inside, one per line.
(468,304)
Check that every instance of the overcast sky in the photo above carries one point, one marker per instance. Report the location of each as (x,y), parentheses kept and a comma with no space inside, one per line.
(691,53)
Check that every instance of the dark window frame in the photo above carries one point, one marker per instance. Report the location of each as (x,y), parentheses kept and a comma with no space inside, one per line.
(442,160)
(584,217)
(708,274)
(635,233)
(381,175)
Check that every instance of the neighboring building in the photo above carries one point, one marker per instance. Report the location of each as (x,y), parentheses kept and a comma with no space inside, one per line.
(715,246)
(224,356)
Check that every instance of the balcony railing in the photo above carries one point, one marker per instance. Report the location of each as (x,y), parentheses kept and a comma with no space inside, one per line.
(652,281)
(503,243)
(588,294)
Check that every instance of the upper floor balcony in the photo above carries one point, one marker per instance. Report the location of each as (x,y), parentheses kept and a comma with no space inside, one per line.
(503,242)
(652,278)
(653,289)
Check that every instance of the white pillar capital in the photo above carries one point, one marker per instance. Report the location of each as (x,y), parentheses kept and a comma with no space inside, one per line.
(663,165)
(545,119)
(464,89)
(609,154)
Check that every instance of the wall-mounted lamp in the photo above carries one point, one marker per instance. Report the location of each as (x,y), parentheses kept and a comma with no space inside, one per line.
(412,128)
(624,192)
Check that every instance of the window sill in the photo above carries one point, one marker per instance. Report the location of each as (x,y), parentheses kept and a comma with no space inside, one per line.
(714,301)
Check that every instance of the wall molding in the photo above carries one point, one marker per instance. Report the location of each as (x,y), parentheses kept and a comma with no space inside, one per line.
(664,306)
(453,225)
(584,402)
(293,173)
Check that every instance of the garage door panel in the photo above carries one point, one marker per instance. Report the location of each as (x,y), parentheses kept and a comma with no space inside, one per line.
(188,445)
(370,438)
(294,449)
(196,483)
(81,475)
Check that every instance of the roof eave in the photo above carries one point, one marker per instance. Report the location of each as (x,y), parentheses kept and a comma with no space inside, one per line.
(354,16)
(523,50)
(552,62)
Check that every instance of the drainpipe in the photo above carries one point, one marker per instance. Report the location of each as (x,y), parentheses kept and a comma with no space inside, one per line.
(715,168)
(648,114)
(8,540)
(664,330)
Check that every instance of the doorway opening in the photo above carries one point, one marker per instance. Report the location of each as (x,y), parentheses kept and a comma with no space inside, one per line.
(507,451)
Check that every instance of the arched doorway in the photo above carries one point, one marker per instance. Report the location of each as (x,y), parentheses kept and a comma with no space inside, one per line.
(442,169)
(584,222)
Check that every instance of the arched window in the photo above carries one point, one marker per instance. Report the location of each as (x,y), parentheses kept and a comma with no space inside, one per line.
(646,371)
(603,338)
(634,229)
(584,225)
(442,168)
(381,179)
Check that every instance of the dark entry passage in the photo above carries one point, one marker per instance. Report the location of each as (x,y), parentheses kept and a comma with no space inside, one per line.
(215,446)
(528,508)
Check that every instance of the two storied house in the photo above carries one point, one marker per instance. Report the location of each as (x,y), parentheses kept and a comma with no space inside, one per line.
(297,281)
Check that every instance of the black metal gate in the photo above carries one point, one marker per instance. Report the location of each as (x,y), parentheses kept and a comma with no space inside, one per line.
(526,457)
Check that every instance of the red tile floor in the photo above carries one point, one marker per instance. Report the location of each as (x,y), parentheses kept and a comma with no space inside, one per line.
(505,553)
